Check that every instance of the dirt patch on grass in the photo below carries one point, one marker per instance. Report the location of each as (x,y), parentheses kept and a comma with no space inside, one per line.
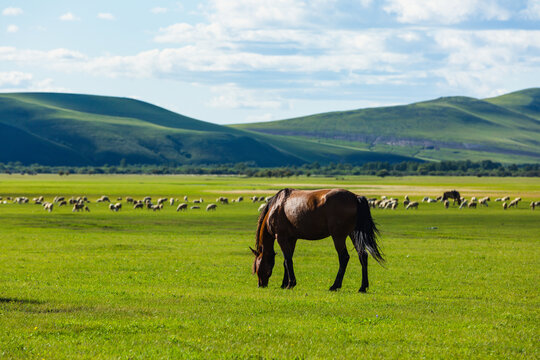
(394,190)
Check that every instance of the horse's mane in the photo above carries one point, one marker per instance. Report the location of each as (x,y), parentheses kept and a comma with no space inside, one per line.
(265,210)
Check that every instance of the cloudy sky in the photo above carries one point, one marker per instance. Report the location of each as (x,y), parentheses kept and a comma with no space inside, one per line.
(234,61)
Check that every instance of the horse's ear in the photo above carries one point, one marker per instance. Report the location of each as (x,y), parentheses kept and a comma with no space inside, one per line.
(255,252)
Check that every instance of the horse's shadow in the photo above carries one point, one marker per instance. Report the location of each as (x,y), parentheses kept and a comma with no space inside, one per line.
(19,301)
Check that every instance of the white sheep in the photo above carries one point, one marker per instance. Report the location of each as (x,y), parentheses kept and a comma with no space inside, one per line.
(182,206)
(412,205)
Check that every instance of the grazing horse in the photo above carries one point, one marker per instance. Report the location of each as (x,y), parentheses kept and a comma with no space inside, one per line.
(313,215)
(454,194)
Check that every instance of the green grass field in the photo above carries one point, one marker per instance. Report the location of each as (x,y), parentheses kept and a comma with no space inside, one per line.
(142,284)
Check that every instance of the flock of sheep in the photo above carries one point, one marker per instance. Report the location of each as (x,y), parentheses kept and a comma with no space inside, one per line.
(81,203)
(473,202)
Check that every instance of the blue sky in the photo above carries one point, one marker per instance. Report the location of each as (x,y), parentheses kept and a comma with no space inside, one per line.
(235,61)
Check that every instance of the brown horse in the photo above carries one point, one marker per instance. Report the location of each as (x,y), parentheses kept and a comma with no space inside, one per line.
(313,215)
(454,194)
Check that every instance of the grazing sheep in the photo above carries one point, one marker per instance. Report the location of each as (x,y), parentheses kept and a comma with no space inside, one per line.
(185,198)
(484,201)
(394,205)
(77,207)
(514,203)
(182,206)
(412,205)
(222,200)
(532,205)
(129,199)
(196,201)
(171,202)
(426,198)
(157,207)
(211,207)
(406,202)
(506,198)
(463,204)
(472,204)
(446,204)
(195,207)
(86,208)
(498,199)
(62,203)
(240,199)
(103,198)
(473,199)
(138,205)
(147,199)
(161,200)
(504,205)
(432,201)
(48,206)
(118,199)
(407,198)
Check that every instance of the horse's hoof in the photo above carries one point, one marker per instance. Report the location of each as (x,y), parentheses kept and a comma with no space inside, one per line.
(362,290)
(333,288)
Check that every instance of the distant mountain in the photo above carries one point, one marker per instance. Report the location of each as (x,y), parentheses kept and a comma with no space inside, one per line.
(74,129)
(504,128)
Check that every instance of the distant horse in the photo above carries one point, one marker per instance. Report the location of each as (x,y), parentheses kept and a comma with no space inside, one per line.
(454,194)
(313,215)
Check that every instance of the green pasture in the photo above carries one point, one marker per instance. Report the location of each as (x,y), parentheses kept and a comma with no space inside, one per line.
(142,284)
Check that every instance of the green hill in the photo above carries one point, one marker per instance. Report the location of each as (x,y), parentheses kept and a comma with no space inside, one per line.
(72,129)
(505,128)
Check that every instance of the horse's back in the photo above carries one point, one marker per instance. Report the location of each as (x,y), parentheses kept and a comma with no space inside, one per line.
(317,214)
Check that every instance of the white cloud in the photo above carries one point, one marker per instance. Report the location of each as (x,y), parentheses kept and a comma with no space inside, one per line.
(532,11)
(12,11)
(233,97)
(106,16)
(68,17)
(158,10)
(257,13)
(444,11)
(12,28)
(24,56)
(483,63)
(14,78)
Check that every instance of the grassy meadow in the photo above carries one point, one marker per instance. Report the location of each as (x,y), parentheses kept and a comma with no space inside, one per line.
(142,284)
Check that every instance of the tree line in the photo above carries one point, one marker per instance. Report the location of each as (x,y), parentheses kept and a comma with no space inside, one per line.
(378,168)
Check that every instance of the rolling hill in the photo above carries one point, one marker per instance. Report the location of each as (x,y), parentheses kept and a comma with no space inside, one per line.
(80,130)
(504,128)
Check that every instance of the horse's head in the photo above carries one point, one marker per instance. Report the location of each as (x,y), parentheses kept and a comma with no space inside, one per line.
(263,265)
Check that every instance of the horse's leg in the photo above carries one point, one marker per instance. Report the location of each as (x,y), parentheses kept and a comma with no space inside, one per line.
(363,255)
(343,254)
(287,247)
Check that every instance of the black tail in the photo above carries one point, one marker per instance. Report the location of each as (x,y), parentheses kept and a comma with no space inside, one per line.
(365,233)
